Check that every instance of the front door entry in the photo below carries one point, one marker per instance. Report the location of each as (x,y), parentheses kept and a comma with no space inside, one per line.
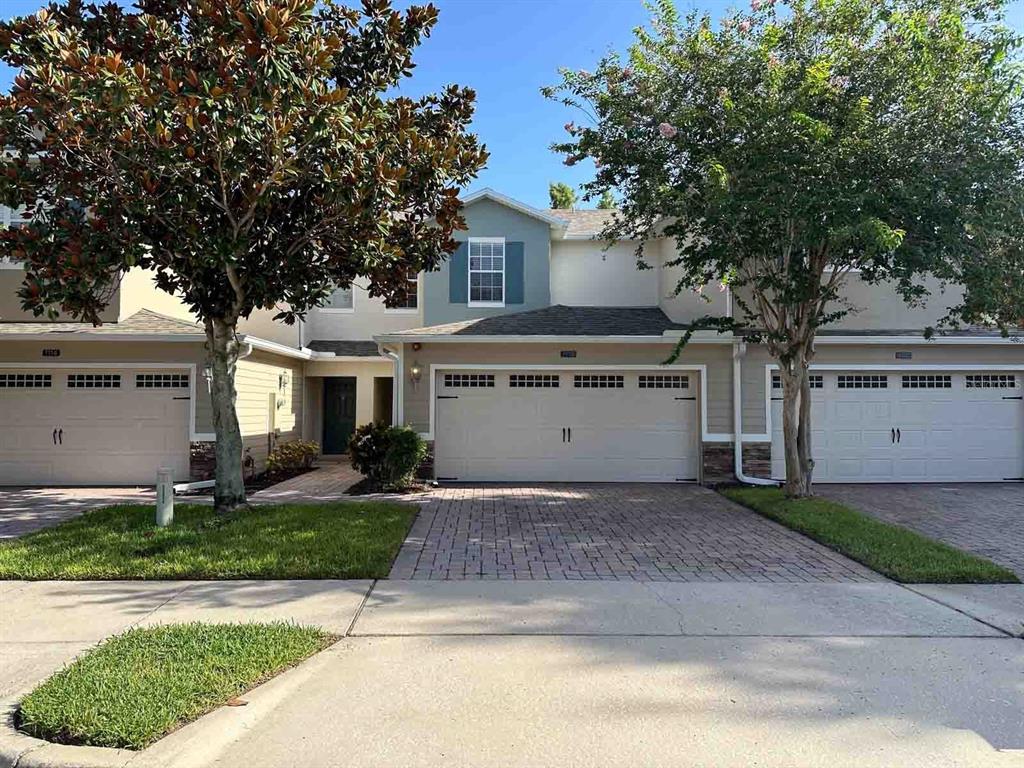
(339,413)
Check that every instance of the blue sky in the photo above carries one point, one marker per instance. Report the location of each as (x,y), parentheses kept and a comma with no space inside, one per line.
(506,50)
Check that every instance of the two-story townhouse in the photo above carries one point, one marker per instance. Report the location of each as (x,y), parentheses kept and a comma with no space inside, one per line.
(111,404)
(543,359)
(534,353)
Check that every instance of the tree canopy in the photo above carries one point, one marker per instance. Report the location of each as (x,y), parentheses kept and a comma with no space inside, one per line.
(785,149)
(562,196)
(247,152)
(243,150)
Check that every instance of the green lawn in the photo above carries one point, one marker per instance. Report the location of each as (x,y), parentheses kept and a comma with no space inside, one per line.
(350,540)
(134,688)
(899,553)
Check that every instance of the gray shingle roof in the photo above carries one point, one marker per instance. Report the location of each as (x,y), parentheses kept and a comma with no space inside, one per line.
(583,222)
(143,322)
(346,348)
(560,320)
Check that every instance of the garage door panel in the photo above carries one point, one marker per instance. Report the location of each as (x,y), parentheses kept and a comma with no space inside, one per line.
(513,433)
(947,431)
(108,435)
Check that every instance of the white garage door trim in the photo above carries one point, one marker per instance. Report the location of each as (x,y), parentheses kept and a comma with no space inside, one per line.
(772,368)
(193,435)
(701,370)
(506,427)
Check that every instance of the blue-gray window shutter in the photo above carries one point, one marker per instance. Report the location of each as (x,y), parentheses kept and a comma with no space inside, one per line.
(458,275)
(514,278)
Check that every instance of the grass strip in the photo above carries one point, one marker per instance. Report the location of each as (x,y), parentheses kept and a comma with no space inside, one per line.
(896,552)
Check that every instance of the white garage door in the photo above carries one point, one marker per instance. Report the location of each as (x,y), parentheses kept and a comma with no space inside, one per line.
(569,426)
(908,426)
(92,426)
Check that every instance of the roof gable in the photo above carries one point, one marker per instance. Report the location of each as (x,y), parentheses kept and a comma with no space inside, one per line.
(487,193)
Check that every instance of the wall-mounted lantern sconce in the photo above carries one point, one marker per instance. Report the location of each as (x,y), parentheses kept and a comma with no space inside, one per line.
(208,375)
(282,381)
(415,372)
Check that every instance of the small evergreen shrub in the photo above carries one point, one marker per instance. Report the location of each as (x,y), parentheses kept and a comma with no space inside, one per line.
(388,456)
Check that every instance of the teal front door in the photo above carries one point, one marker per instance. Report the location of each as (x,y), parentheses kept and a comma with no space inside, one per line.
(339,413)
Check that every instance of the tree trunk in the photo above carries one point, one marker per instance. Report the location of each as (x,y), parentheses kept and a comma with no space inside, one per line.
(222,355)
(796,428)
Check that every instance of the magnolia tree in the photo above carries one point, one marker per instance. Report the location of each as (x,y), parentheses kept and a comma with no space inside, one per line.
(245,151)
(785,148)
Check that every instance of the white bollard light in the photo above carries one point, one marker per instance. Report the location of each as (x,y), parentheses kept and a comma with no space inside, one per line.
(164,497)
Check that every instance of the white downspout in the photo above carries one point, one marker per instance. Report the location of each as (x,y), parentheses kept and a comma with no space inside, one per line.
(739,349)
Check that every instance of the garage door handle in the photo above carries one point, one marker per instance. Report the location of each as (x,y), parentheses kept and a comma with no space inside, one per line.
(55,436)
(563,434)
(899,435)
(570,434)
(60,436)
(894,436)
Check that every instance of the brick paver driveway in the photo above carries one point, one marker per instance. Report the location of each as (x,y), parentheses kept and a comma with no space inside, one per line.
(984,518)
(611,531)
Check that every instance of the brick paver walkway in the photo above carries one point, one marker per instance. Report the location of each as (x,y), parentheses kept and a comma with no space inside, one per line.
(328,482)
(612,532)
(984,518)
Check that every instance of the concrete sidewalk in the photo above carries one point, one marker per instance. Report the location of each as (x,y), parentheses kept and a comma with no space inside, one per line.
(573,674)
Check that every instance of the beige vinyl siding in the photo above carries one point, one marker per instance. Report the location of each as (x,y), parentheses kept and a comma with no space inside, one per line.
(256,379)
(717,358)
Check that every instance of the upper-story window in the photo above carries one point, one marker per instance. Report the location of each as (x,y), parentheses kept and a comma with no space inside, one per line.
(9,218)
(410,299)
(12,217)
(340,301)
(487,271)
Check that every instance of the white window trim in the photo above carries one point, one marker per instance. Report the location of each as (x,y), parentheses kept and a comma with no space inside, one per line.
(340,310)
(469,272)
(419,299)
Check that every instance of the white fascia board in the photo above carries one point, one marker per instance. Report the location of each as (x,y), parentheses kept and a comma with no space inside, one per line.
(916,340)
(88,336)
(489,194)
(461,339)
(319,357)
(265,345)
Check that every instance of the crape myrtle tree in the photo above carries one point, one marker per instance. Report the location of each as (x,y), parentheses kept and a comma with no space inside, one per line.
(786,147)
(247,152)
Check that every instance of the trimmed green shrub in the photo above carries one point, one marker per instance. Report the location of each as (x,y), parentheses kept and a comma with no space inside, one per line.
(295,454)
(388,456)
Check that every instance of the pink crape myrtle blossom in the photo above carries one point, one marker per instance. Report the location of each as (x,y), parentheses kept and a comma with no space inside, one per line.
(667,130)
(745,26)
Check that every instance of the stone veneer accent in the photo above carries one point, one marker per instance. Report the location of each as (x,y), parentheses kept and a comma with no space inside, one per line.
(718,462)
(202,462)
